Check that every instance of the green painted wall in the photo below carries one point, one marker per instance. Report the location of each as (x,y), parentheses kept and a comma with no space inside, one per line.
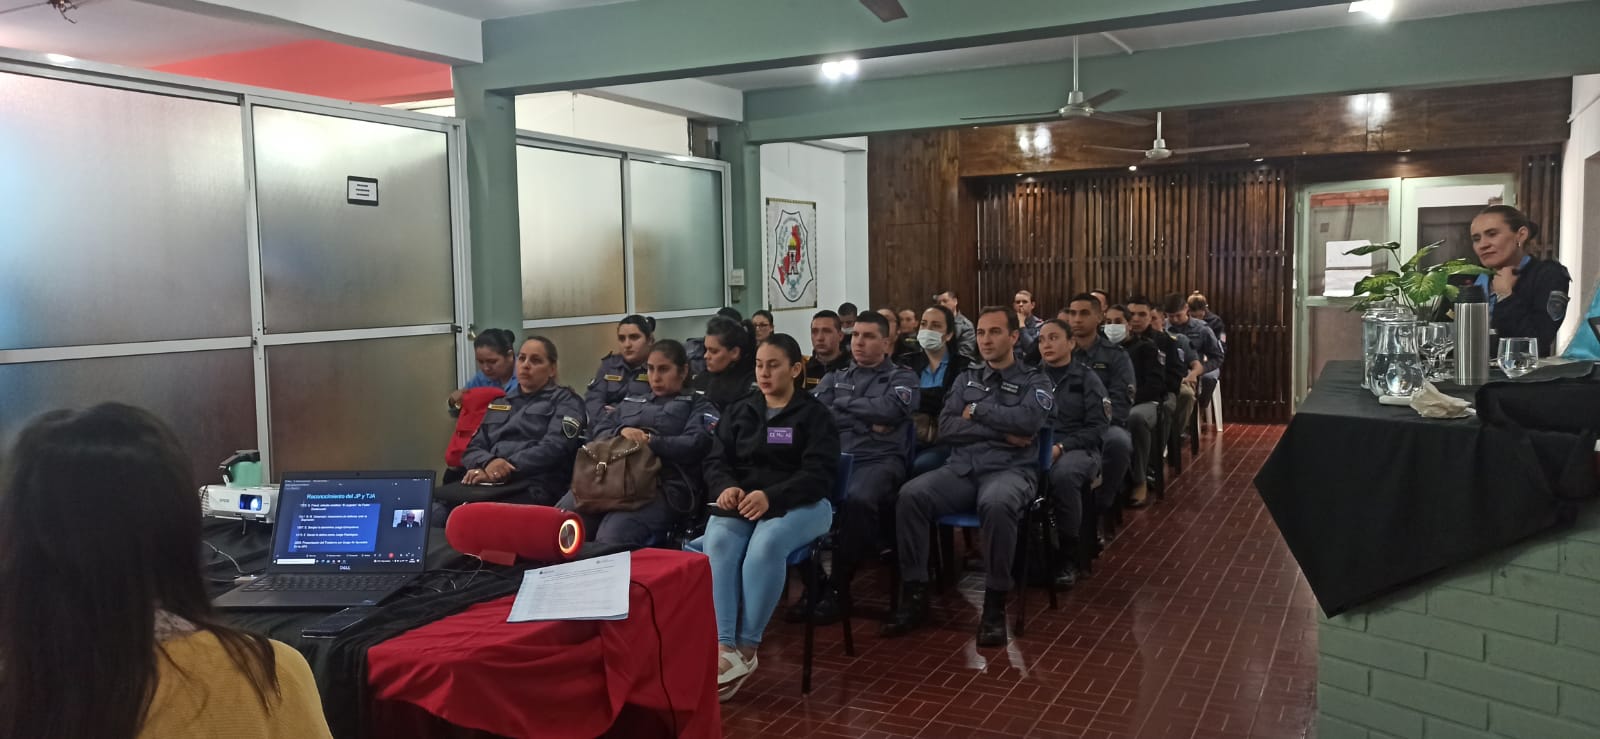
(1528,43)
(1507,647)
(492,212)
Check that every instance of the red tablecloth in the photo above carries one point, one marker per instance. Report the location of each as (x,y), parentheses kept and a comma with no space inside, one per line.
(568,678)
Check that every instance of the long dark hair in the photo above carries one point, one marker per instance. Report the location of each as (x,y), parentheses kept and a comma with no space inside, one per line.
(646,324)
(790,349)
(99,528)
(732,334)
(500,340)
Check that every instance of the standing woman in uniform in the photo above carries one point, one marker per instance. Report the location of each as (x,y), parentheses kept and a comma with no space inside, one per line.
(730,364)
(676,426)
(772,466)
(622,373)
(1527,295)
(523,450)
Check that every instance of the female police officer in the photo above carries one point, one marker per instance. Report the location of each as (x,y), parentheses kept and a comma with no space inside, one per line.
(621,372)
(524,448)
(1527,295)
(677,427)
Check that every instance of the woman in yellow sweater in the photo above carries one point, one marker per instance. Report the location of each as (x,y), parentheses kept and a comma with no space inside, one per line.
(105,628)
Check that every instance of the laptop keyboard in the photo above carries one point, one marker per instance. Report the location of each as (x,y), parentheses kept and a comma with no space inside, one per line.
(352,583)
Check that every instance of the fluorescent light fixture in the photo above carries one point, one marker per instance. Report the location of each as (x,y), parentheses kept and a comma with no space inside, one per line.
(60,58)
(837,70)
(1379,9)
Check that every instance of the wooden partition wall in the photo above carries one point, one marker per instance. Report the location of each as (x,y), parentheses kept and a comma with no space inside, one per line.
(1222,229)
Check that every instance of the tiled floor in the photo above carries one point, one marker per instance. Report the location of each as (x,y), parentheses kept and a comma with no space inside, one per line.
(1195,623)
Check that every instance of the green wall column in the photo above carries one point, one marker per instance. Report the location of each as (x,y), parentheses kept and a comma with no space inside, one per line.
(491,127)
(744,174)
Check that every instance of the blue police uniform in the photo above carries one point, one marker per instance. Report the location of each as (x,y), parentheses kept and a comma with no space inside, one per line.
(537,433)
(615,380)
(862,398)
(680,429)
(1079,424)
(984,470)
(1113,366)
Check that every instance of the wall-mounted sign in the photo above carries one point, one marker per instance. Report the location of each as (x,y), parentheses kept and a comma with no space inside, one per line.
(361,191)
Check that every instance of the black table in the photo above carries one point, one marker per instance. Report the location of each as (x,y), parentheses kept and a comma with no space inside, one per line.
(1372,497)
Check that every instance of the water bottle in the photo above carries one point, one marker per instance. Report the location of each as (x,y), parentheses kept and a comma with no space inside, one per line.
(1472,336)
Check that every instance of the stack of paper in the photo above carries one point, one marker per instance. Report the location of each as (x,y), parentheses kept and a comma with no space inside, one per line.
(586,590)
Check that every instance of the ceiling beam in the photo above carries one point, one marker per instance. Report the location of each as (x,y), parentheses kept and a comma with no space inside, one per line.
(1436,52)
(394,26)
(667,39)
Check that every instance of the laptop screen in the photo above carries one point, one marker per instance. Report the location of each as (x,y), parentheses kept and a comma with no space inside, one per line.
(369,523)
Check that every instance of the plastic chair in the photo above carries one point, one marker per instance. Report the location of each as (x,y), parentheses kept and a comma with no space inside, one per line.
(1216,406)
(811,555)
(1031,517)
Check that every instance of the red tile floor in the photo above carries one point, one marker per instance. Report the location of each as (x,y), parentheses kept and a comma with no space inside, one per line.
(1195,623)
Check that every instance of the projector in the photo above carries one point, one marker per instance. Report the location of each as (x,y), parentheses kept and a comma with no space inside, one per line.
(254,503)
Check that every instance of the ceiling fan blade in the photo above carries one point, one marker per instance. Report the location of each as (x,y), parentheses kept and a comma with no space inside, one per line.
(1020,116)
(1200,149)
(1127,120)
(886,10)
(1113,148)
(1103,98)
(23,7)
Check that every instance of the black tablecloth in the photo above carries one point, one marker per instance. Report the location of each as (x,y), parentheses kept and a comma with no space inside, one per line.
(1371,497)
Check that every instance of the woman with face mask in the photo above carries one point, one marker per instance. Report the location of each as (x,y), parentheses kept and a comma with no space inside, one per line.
(936,367)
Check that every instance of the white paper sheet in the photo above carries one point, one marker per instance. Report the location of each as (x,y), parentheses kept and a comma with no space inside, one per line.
(586,590)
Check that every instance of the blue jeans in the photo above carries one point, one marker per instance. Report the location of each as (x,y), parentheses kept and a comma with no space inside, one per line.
(748,563)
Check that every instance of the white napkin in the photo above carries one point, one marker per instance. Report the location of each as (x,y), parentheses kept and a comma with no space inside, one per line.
(1432,403)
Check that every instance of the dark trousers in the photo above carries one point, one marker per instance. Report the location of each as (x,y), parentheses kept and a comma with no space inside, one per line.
(647,526)
(860,519)
(1069,475)
(1000,498)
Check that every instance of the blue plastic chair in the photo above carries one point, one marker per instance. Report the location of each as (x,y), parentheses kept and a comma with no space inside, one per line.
(1030,518)
(811,556)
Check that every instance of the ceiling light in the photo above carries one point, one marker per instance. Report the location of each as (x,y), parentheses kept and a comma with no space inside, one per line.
(1379,9)
(60,58)
(838,70)
(1133,168)
(1261,159)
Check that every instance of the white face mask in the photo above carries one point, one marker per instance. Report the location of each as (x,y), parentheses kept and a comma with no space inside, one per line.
(849,330)
(1116,332)
(930,340)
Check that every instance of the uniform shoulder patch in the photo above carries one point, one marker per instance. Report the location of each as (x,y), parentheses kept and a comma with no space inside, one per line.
(1046,400)
(711,420)
(571,427)
(1557,305)
(903,394)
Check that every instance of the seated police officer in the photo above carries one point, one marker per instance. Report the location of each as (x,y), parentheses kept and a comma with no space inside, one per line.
(1079,424)
(1161,380)
(991,419)
(523,451)
(827,347)
(676,425)
(696,346)
(730,365)
(1112,365)
(622,372)
(872,401)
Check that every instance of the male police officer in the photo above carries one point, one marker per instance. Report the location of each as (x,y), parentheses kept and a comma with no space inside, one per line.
(1115,370)
(872,401)
(827,355)
(991,419)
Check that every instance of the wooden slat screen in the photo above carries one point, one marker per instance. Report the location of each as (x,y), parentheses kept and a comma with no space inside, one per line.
(1223,229)
(1539,197)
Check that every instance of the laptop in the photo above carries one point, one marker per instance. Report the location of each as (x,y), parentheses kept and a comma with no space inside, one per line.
(342,539)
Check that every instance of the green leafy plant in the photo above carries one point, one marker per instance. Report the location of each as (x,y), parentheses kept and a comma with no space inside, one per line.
(1421,289)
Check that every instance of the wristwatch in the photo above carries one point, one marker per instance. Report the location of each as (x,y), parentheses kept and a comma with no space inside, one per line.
(972,409)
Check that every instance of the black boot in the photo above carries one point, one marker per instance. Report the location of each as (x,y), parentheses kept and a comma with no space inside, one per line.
(992,627)
(1067,567)
(912,613)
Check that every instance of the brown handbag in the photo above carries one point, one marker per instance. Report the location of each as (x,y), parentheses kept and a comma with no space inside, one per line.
(927,426)
(614,474)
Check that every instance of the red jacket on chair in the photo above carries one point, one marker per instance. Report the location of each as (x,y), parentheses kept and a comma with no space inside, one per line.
(474,404)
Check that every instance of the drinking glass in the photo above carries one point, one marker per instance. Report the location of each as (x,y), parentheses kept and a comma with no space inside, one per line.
(1438,344)
(1519,355)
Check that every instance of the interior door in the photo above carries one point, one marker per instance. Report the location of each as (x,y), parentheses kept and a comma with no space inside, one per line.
(1334,218)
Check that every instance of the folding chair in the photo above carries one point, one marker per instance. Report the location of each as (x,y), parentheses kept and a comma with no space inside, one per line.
(811,555)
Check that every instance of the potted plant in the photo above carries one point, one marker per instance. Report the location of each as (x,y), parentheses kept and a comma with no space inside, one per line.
(1422,290)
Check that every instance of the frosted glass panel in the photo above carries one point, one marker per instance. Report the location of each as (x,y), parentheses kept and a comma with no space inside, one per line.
(580,349)
(207,397)
(328,264)
(570,208)
(371,404)
(677,237)
(680,329)
(121,216)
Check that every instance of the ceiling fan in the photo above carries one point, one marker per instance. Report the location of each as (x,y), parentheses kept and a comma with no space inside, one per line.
(1159,150)
(886,10)
(1077,105)
(61,6)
